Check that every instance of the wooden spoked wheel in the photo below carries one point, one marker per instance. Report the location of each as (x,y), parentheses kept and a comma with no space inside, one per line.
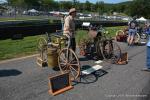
(42,48)
(110,51)
(69,62)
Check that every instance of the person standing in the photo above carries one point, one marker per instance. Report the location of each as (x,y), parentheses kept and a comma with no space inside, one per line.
(69,28)
(147,68)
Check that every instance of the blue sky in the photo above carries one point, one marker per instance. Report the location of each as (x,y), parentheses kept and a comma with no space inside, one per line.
(92,1)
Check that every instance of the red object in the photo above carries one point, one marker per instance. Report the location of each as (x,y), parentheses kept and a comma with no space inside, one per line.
(121,38)
(82,52)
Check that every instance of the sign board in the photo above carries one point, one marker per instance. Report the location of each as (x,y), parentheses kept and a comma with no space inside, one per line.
(59,83)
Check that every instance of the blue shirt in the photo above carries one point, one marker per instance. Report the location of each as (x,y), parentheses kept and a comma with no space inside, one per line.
(148,43)
(148,31)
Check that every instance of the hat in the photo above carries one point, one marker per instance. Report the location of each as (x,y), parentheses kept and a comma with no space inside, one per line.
(72,10)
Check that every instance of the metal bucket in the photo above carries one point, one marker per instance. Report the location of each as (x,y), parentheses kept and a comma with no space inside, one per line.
(52,57)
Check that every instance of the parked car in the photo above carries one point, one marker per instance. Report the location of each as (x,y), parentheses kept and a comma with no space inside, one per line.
(85,17)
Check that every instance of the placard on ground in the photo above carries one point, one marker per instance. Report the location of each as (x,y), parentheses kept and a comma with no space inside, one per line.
(59,83)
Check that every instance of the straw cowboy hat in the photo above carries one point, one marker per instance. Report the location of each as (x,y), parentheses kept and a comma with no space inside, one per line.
(72,10)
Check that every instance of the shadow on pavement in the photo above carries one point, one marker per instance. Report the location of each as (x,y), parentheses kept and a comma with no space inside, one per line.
(90,78)
(56,68)
(93,77)
(83,59)
(9,72)
(90,57)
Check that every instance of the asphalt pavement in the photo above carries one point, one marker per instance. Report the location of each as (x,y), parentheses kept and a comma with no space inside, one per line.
(23,79)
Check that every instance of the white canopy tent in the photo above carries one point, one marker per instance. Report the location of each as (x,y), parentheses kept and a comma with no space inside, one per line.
(141,19)
(33,11)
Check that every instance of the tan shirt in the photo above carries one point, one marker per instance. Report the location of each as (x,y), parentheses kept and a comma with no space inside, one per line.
(69,26)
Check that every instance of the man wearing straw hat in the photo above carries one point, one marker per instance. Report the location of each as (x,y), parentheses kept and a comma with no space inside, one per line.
(69,28)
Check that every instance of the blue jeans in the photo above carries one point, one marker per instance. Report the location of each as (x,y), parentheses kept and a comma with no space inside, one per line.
(148,57)
(132,32)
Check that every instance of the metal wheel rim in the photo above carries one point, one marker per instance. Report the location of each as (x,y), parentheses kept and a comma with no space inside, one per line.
(114,51)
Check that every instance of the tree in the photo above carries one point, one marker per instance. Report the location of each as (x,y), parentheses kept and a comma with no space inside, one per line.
(18,3)
(121,7)
(80,7)
(65,5)
(32,3)
(101,7)
(87,6)
(48,4)
(140,8)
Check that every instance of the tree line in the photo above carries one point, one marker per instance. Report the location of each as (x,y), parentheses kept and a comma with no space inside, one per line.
(131,8)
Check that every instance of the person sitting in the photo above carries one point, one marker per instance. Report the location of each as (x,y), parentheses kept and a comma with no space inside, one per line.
(132,31)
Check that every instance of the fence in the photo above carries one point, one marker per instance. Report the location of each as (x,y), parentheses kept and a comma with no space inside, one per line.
(35,27)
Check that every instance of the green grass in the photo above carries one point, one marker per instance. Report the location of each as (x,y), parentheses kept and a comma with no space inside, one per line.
(113,30)
(27,46)
(82,34)
(17,48)
(22,18)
